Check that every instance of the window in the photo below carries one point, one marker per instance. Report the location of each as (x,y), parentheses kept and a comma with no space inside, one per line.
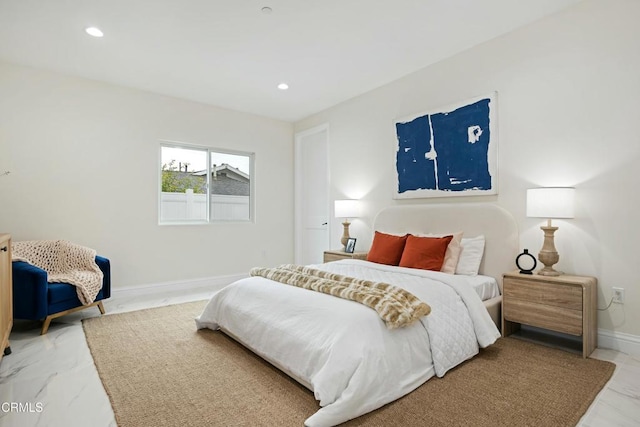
(199,185)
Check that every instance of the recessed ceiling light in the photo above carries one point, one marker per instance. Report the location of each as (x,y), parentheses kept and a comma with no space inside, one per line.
(93,31)
(266,10)
(283,86)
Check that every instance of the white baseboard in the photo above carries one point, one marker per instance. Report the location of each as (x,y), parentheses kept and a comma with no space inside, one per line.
(625,343)
(209,283)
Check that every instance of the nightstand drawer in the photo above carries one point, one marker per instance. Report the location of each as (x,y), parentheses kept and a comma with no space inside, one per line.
(559,319)
(552,294)
(330,256)
(333,257)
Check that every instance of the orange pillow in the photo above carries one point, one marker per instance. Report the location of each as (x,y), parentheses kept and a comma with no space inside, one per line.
(452,254)
(426,253)
(386,248)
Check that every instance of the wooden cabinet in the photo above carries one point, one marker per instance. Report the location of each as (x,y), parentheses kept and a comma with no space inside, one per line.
(6,290)
(338,255)
(565,304)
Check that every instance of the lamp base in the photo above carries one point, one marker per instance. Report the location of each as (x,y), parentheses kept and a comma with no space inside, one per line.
(548,254)
(345,235)
(549,271)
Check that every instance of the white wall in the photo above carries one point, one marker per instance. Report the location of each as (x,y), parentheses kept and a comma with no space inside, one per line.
(568,105)
(79,151)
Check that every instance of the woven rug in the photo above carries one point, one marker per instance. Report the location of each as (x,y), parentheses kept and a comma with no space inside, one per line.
(159,371)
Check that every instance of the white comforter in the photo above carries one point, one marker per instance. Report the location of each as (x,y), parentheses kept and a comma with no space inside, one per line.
(353,363)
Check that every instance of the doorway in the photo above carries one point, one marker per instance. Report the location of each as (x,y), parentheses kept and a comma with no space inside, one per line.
(312,207)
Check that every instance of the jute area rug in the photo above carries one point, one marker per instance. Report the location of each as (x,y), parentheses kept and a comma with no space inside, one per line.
(159,371)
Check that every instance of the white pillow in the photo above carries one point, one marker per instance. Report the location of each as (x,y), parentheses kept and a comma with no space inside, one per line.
(470,256)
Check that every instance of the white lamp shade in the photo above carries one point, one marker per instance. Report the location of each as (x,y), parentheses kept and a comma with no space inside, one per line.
(347,208)
(550,202)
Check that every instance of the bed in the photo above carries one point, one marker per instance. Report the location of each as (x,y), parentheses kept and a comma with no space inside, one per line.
(341,350)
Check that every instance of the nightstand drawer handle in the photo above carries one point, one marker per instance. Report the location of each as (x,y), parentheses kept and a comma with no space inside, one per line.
(3,249)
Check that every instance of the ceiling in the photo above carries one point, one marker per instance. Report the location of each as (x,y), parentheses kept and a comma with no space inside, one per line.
(230,54)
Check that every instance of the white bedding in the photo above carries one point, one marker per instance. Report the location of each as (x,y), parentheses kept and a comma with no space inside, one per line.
(486,287)
(353,363)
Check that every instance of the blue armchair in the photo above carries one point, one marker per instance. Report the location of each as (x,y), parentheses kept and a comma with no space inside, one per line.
(36,299)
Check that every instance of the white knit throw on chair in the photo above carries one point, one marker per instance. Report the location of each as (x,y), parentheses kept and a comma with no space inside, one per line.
(64,262)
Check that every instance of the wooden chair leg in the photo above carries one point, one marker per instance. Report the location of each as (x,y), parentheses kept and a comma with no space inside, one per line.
(45,325)
(47,321)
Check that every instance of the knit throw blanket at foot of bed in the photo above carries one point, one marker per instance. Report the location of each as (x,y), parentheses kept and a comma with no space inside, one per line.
(396,306)
(64,262)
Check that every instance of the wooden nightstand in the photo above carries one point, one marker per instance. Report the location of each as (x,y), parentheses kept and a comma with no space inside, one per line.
(339,254)
(564,304)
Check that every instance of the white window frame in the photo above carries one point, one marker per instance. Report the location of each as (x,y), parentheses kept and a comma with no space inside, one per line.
(209,150)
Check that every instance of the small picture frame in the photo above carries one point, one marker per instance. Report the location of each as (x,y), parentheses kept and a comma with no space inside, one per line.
(350,246)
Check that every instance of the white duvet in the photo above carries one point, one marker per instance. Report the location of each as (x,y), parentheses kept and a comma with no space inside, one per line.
(342,349)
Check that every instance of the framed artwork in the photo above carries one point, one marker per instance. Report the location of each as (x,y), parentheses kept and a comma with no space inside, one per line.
(450,151)
(350,246)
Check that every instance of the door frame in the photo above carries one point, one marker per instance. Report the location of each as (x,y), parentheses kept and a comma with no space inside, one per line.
(298,220)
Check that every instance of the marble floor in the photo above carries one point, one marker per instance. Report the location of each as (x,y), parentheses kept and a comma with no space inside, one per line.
(55,381)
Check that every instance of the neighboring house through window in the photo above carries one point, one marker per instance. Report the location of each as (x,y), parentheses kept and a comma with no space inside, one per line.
(200,185)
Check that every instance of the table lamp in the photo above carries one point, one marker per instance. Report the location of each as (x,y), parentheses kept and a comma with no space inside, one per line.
(550,203)
(346,209)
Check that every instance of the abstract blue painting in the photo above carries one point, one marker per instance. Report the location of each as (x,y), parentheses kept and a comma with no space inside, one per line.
(448,152)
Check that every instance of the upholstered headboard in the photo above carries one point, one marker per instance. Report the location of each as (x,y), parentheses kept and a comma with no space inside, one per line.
(495,223)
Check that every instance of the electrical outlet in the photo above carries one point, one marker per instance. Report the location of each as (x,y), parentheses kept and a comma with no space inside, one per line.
(618,295)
